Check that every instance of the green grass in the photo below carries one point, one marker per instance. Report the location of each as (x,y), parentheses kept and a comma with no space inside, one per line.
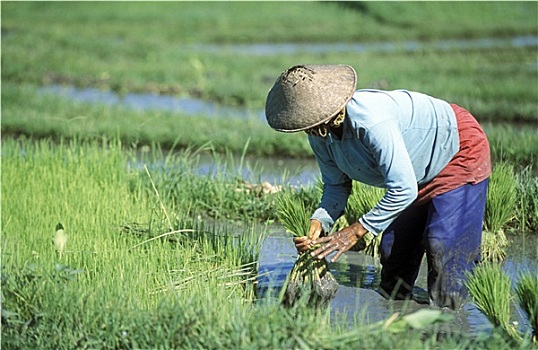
(292,213)
(490,288)
(527,296)
(501,197)
(515,144)
(141,270)
(362,199)
(500,208)
(25,112)
(527,206)
(105,45)
(107,273)
(310,280)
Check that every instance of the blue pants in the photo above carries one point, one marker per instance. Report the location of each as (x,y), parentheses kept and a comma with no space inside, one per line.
(449,230)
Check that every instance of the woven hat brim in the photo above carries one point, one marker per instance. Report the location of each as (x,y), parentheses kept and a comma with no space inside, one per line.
(308,95)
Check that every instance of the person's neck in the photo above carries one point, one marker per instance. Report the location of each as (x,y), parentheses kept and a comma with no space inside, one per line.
(338,131)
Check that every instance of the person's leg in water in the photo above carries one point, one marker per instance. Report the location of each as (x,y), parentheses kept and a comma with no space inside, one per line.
(402,248)
(453,236)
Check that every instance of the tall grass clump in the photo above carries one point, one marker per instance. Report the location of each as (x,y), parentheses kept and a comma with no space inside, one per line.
(500,206)
(527,296)
(362,199)
(310,279)
(527,206)
(489,287)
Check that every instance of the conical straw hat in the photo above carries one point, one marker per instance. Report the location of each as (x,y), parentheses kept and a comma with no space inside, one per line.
(308,95)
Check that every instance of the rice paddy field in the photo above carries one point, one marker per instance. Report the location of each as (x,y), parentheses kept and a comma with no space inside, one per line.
(113,233)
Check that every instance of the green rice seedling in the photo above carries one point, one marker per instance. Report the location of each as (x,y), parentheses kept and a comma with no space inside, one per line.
(527,296)
(501,197)
(362,199)
(310,279)
(527,206)
(489,286)
(500,205)
(494,246)
(85,186)
(221,193)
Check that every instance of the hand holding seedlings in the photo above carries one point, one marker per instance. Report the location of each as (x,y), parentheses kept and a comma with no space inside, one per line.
(339,242)
(310,278)
(305,243)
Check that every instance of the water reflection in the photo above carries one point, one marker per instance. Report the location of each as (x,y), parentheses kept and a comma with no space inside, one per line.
(148,102)
(300,172)
(381,47)
(357,270)
(296,172)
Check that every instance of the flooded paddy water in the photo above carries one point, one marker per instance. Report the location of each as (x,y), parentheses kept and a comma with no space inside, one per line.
(379,47)
(358,277)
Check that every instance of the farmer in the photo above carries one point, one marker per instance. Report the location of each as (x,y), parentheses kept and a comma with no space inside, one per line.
(432,158)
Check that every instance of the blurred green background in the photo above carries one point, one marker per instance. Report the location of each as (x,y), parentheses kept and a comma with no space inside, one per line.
(189,49)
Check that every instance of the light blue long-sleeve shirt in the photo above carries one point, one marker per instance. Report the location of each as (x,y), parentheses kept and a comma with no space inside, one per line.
(396,140)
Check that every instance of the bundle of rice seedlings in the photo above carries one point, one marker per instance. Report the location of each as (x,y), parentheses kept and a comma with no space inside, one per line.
(527,295)
(500,206)
(309,280)
(527,206)
(489,286)
(362,199)
(493,246)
